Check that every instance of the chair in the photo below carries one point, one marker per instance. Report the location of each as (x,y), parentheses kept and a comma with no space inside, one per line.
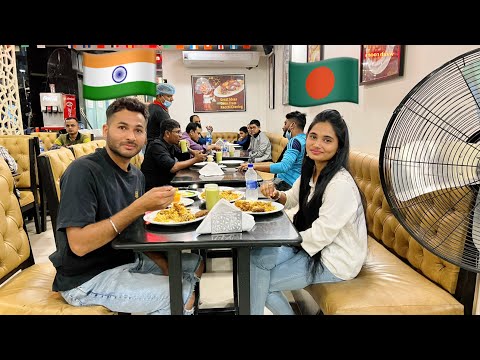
(80,150)
(26,287)
(48,138)
(51,165)
(24,149)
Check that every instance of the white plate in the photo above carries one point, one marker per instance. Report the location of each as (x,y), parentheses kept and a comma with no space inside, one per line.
(151,216)
(217,91)
(241,194)
(185,201)
(278,207)
(232,162)
(188,193)
(203,163)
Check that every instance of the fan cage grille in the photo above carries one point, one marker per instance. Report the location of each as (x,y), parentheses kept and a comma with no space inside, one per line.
(429,161)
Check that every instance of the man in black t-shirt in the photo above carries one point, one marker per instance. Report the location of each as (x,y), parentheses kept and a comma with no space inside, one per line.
(103,197)
(163,157)
(158,110)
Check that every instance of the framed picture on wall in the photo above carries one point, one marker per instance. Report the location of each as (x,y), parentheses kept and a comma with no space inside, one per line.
(218,93)
(381,62)
(314,53)
(287,56)
(271,81)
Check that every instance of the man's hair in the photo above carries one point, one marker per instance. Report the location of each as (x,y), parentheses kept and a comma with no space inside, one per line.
(192,116)
(72,118)
(300,119)
(244,129)
(128,103)
(168,125)
(254,122)
(192,126)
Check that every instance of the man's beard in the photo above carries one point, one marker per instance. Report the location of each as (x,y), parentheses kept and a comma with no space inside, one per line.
(116,151)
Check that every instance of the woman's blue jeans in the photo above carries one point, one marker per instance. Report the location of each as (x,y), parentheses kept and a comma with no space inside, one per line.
(138,287)
(274,269)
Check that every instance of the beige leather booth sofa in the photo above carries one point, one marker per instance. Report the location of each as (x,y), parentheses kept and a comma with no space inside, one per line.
(26,287)
(400,276)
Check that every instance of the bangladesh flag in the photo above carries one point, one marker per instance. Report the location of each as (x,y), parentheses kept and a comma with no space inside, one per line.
(323,82)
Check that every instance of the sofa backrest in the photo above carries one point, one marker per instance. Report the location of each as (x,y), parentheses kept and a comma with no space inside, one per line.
(15,252)
(24,149)
(385,228)
(278,144)
(83,149)
(48,138)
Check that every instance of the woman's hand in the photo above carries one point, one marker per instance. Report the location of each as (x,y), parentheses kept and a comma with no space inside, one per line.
(268,189)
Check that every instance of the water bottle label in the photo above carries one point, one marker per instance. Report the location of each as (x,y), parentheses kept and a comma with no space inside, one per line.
(251,184)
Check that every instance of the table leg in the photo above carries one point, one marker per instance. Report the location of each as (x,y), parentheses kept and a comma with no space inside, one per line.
(175,281)
(243,275)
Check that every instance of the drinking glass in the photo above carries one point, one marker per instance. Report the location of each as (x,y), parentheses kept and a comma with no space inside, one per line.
(212,195)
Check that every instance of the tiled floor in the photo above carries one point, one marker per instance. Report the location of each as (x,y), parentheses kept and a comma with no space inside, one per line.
(216,290)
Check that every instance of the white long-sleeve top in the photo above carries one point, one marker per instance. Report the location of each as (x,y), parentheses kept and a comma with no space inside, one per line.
(340,231)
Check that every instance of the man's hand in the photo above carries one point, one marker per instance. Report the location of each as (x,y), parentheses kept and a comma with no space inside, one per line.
(158,198)
(199,156)
(209,128)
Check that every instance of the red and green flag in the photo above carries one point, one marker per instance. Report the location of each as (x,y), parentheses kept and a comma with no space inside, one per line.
(323,82)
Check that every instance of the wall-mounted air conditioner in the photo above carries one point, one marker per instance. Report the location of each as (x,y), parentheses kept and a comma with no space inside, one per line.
(246,59)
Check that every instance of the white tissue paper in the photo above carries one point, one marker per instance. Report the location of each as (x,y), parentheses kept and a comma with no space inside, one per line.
(211,169)
(225,207)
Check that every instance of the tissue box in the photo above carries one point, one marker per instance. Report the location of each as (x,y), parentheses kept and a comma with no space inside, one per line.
(227,222)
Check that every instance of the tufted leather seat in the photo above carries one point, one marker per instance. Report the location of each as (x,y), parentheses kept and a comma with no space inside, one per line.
(52,164)
(30,290)
(48,138)
(400,276)
(24,150)
(80,150)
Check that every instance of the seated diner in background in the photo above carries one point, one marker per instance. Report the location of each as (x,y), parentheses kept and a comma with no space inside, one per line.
(196,119)
(73,135)
(243,138)
(192,134)
(260,148)
(288,170)
(164,158)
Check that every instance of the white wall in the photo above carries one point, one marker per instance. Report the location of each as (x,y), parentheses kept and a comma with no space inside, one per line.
(181,109)
(368,119)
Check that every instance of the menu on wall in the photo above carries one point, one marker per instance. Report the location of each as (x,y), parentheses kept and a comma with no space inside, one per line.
(218,93)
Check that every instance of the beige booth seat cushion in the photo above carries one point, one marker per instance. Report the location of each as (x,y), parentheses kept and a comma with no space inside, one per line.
(31,294)
(385,286)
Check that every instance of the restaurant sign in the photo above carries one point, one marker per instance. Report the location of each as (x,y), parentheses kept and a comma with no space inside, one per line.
(218,93)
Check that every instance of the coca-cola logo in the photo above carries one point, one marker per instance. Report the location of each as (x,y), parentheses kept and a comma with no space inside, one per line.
(49,98)
(69,104)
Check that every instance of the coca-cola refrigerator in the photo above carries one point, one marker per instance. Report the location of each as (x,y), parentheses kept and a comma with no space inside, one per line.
(70,106)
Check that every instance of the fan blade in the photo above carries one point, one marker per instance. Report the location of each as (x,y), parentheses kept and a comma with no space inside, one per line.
(424,166)
(476,223)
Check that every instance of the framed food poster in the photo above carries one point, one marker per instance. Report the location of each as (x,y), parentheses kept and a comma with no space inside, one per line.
(381,62)
(218,93)
(314,53)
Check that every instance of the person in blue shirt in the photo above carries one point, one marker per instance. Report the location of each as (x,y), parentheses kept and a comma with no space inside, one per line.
(289,168)
(243,138)
(196,119)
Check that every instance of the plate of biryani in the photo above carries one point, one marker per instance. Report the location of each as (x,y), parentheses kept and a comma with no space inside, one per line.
(226,193)
(258,207)
(176,215)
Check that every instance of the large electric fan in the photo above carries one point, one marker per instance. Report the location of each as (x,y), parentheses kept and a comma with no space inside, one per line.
(60,72)
(430,158)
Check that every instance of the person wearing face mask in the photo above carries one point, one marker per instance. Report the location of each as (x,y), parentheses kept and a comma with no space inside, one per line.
(158,110)
(288,169)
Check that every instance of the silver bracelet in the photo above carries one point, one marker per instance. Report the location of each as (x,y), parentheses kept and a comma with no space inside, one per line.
(114,227)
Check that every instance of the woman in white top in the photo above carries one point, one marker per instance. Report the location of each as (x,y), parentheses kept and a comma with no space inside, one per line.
(330,220)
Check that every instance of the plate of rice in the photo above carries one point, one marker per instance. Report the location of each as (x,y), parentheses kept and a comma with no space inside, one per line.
(176,215)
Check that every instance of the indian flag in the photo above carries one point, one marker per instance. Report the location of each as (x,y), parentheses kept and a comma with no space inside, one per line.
(123,73)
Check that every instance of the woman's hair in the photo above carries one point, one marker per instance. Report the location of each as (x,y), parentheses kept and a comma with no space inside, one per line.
(308,210)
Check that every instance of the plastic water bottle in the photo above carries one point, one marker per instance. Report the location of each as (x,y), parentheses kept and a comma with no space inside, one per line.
(209,137)
(251,185)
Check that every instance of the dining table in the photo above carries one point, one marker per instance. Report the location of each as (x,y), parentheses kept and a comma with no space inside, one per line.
(271,229)
(190,176)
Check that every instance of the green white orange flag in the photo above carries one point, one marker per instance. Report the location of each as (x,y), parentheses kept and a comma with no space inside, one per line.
(118,74)
(323,82)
